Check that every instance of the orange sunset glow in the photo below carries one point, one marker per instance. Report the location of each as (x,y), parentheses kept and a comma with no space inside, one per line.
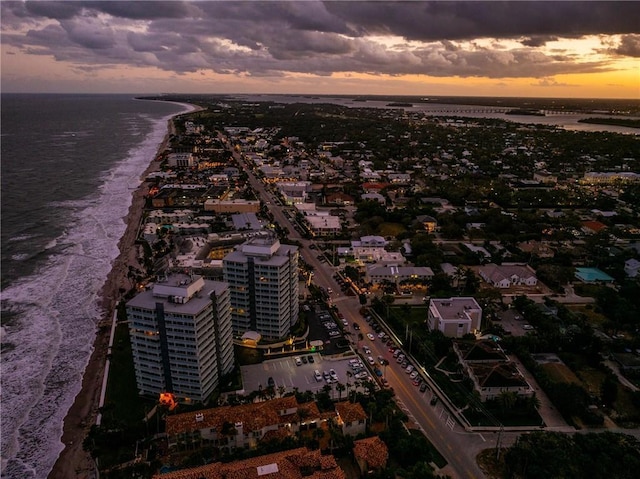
(539,49)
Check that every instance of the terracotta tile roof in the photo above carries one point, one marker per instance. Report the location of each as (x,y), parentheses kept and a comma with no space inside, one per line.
(482,350)
(372,450)
(350,412)
(293,464)
(505,375)
(253,416)
(595,226)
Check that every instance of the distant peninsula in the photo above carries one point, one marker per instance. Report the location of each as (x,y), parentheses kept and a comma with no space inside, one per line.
(396,103)
(628,122)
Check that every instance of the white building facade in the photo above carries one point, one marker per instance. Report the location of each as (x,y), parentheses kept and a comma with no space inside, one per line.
(181,337)
(263,277)
(455,317)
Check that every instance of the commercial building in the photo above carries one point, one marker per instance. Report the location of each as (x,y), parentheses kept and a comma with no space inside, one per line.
(181,337)
(455,317)
(263,277)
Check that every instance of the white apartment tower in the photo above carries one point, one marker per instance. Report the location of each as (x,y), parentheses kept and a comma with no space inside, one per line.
(181,337)
(263,277)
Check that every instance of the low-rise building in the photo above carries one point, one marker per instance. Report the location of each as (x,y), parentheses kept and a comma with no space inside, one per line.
(246,425)
(454,317)
(351,418)
(232,206)
(507,275)
(291,464)
(490,369)
(371,454)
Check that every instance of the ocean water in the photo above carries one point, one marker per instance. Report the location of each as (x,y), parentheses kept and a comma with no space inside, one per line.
(70,164)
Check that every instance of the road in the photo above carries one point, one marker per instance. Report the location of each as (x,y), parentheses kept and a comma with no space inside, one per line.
(457,446)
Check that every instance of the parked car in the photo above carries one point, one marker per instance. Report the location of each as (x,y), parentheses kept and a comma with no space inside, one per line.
(371,337)
(317,375)
(333,374)
(356,326)
(334,333)
(310,359)
(366,349)
(298,362)
(304,360)
(270,382)
(370,360)
(409,368)
(414,374)
(423,387)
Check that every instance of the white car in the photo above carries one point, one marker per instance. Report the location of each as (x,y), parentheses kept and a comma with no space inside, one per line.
(409,369)
(333,333)
(413,374)
(371,337)
(370,360)
(381,334)
(317,375)
(333,374)
(298,362)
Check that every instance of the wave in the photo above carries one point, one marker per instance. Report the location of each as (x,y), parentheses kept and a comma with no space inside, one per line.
(50,340)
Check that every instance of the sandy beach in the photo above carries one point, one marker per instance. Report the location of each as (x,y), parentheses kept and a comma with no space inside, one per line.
(73,461)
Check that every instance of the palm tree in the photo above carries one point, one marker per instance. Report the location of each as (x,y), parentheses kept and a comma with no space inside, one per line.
(340,387)
(506,400)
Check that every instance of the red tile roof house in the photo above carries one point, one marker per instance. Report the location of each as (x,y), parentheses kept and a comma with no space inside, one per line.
(593,227)
(371,454)
(293,464)
(229,427)
(351,418)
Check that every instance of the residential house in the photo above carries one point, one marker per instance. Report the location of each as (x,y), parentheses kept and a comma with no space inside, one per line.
(507,275)
(631,267)
(244,426)
(369,248)
(374,197)
(351,418)
(291,464)
(371,454)
(429,222)
(340,199)
(490,369)
(593,227)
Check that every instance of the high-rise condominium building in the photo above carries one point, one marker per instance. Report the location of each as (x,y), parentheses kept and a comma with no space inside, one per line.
(181,337)
(263,277)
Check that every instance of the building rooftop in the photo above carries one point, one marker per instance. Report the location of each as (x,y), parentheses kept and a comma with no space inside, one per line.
(180,293)
(454,308)
(372,450)
(292,464)
(350,412)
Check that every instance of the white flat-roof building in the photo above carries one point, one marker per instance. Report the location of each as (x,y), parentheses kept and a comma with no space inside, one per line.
(455,317)
(181,337)
(263,276)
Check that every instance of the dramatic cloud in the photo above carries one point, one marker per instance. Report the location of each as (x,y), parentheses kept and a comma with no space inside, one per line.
(439,39)
(629,46)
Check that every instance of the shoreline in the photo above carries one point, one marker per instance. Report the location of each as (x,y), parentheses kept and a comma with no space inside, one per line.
(73,460)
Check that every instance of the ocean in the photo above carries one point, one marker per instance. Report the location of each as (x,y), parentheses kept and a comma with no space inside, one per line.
(70,164)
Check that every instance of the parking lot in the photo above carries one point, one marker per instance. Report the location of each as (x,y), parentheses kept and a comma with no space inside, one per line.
(285,372)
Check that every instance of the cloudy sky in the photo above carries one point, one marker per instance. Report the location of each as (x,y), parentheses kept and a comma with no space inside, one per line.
(585,49)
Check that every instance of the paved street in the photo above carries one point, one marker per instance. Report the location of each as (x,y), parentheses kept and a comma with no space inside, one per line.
(456,445)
